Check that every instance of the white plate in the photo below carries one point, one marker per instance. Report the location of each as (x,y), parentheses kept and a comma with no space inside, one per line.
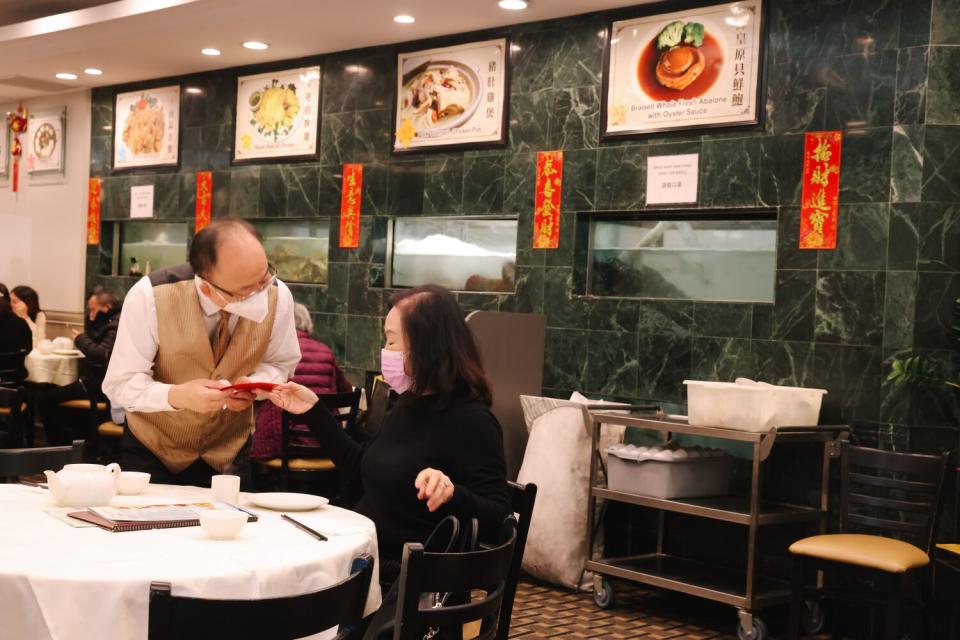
(67,352)
(288,501)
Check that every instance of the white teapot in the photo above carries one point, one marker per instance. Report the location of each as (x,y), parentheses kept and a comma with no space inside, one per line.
(83,485)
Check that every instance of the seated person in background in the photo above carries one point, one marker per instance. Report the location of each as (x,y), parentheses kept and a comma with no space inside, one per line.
(14,335)
(318,371)
(96,343)
(26,304)
(439,450)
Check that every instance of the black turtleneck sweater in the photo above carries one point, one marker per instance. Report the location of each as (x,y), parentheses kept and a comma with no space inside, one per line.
(463,440)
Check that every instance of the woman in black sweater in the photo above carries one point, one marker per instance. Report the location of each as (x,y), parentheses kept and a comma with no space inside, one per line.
(439,450)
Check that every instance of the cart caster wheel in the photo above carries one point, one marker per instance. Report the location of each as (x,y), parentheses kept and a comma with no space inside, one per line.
(812,619)
(759,631)
(603,596)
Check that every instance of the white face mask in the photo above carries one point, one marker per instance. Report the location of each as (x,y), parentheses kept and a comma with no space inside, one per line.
(253,308)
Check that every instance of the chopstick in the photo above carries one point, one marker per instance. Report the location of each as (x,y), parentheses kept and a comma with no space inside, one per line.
(37,485)
(300,525)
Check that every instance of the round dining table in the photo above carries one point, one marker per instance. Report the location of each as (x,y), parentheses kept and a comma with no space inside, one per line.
(60,369)
(61,581)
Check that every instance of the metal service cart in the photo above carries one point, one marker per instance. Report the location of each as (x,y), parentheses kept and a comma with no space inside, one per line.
(746,590)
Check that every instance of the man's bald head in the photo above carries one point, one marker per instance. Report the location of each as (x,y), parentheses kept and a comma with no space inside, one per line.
(230,237)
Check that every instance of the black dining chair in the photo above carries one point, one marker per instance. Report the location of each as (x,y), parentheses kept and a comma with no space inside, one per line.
(483,574)
(302,462)
(27,462)
(522,499)
(12,369)
(13,416)
(890,506)
(181,618)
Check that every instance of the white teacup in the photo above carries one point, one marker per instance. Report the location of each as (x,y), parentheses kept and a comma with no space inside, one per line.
(45,346)
(222,524)
(132,483)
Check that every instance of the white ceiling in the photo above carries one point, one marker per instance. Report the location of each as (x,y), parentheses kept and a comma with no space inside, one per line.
(141,39)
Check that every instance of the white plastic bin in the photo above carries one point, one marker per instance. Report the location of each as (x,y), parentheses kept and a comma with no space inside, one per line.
(751,406)
(632,470)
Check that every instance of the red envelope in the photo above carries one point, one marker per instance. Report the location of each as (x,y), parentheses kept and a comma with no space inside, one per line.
(250,386)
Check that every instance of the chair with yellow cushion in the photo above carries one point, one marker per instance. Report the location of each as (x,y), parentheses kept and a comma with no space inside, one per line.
(301,458)
(890,503)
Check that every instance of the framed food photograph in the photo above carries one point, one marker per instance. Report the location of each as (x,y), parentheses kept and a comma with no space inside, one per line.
(452,97)
(46,142)
(278,115)
(698,67)
(146,128)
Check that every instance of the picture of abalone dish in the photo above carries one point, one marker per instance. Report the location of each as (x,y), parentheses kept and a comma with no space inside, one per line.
(439,94)
(683,61)
(44,141)
(274,110)
(144,127)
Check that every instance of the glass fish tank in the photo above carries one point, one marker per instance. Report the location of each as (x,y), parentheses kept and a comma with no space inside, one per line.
(157,244)
(685,259)
(464,254)
(299,250)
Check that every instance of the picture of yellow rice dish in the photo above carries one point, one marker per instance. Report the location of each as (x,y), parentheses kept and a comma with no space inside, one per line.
(143,131)
(274,110)
(436,96)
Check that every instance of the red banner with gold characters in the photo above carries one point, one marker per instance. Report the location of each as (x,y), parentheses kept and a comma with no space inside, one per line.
(93,211)
(204,200)
(821,190)
(350,200)
(546,216)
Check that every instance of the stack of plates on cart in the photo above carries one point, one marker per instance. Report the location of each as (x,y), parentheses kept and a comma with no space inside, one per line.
(662,454)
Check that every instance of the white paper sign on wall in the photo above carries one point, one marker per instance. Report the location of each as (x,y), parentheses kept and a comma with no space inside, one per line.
(141,201)
(672,179)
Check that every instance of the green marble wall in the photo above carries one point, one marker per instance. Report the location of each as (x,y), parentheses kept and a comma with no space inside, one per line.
(884,71)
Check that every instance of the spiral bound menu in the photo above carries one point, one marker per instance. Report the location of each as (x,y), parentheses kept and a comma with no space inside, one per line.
(152,516)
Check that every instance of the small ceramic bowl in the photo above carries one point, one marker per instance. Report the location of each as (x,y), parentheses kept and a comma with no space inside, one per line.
(222,524)
(45,346)
(131,483)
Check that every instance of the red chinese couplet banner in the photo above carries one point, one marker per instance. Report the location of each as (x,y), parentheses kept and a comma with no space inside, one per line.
(821,190)
(93,211)
(204,200)
(546,217)
(350,199)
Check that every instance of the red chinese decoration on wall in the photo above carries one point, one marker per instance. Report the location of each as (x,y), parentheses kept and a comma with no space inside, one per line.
(821,190)
(546,216)
(204,200)
(17,121)
(93,211)
(350,200)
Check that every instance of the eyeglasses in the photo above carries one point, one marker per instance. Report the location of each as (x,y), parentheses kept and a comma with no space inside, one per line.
(230,296)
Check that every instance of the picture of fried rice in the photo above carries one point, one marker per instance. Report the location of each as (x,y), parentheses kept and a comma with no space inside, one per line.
(143,131)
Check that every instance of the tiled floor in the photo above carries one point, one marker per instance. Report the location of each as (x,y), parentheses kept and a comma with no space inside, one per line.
(544,611)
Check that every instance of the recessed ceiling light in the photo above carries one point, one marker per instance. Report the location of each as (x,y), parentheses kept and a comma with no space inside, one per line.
(210,51)
(256,46)
(513,5)
(67,76)
(194,90)
(93,71)
(404,19)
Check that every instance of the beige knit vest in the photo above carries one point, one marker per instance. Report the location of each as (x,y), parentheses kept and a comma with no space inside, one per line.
(184,353)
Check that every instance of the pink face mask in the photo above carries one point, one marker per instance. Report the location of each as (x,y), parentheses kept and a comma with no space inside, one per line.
(391,365)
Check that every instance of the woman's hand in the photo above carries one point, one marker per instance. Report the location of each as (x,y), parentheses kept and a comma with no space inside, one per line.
(20,308)
(293,397)
(435,487)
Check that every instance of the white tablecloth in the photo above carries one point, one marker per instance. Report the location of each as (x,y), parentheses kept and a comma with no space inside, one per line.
(61,582)
(51,368)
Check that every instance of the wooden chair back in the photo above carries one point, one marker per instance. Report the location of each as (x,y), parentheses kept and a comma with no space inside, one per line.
(892,494)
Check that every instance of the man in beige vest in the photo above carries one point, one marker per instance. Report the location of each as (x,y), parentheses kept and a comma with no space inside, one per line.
(186,332)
